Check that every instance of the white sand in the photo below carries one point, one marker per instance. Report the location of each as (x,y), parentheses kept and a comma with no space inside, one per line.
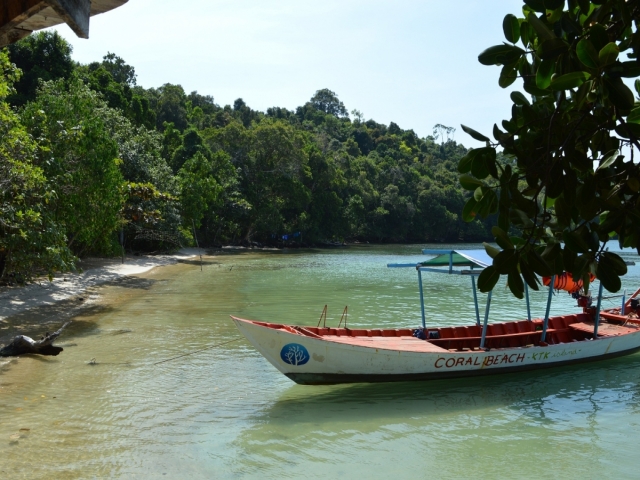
(16,300)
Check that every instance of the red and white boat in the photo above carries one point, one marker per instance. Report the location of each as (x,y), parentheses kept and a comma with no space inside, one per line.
(323,355)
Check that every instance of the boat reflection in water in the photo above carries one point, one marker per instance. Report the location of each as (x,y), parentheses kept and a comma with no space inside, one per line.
(486,424)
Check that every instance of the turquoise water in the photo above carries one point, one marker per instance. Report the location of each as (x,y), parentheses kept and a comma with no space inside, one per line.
(226,413)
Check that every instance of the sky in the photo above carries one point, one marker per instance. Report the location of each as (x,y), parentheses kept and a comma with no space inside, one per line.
(409,62)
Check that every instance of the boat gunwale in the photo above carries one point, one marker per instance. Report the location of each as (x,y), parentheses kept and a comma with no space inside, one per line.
(304,331)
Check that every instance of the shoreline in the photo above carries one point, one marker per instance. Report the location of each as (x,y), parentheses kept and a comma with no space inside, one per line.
(40,305)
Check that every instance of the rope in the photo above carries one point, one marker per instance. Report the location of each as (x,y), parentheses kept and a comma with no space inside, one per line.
(197,351)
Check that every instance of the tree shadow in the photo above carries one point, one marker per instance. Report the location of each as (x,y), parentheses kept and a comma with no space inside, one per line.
(197,262)
(34,322)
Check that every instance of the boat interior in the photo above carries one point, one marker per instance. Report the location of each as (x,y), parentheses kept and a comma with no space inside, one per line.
(561,329)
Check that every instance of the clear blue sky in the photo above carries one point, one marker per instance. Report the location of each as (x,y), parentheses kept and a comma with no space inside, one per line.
(410,62)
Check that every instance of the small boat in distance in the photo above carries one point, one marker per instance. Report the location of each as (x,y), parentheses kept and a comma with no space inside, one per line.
(323,355)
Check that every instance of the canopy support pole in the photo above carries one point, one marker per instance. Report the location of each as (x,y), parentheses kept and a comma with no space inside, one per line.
(596,323)
(546,313)
(424,321)
(526,294)
(486,320)
(624,300)
(475,299)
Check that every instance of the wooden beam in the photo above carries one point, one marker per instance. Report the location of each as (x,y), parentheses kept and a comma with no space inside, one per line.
(12,36)
(75,13)
(14,12)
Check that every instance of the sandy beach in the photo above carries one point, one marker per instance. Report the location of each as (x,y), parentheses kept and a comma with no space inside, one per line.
(37,306)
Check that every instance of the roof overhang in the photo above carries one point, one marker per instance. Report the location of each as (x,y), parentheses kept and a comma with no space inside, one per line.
(18,18)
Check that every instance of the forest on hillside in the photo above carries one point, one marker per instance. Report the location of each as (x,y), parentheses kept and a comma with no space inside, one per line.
(90,162)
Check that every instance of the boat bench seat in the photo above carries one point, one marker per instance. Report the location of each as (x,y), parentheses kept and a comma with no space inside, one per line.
(505,340)
(361,332)
(619,318)
(604,330)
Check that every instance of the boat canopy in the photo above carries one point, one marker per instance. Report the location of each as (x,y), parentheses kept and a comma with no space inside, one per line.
(474,259)
(478,260)
(457,258)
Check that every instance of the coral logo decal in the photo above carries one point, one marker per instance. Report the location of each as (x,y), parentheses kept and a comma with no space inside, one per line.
(294,354)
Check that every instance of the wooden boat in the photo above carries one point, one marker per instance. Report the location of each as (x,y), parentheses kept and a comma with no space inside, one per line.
(324,355)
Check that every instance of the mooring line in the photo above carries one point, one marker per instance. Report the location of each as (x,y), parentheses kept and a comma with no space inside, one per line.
(197,351)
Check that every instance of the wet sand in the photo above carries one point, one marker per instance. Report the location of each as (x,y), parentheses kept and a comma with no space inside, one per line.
(45,305)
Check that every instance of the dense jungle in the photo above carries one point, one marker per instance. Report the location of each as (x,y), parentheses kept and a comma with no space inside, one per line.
(92,163)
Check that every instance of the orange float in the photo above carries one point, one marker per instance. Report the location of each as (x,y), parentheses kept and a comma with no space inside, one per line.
(566,282)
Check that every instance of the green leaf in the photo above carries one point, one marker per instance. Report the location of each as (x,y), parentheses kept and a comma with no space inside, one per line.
(563,211)
(543,75)
(539,26)
(511,28)
(587,54)
(464,165)
(500,55)
(552,48)
(553,4)
(528,274)
(520,218)
(569,24)
(614,262)
(490,162)
(608,54)
(470,183)
(569,258)
(478,136)
(598,36)
(630,69)
(531,89)
(554,15)
(508,75)
(619,94)
(585,5)
(537,5)
(469,210)
(628,130)
(539,264)
(581,265)
(634,116)
(502,238)
(488,204)
(575,242)
(519,99)
(506,261)
(526,33)
(479,167)
(609,279)
(569,80)
(608,159)
(516,285)
(555,185)
(488,279)
(491,250)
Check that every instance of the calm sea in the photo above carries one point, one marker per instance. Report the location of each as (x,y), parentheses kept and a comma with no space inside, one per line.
(102,409)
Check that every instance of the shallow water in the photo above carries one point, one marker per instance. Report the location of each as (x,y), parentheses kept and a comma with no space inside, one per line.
(226,413)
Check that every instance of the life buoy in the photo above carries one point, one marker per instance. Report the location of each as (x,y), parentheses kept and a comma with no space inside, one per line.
(565,281)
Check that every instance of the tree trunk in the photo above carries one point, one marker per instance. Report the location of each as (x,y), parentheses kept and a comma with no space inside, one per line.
(22,344)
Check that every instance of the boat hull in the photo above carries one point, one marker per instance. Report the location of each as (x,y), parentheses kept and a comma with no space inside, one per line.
(318,361)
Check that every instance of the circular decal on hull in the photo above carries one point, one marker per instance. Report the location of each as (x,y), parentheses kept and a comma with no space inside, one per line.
(294,354)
